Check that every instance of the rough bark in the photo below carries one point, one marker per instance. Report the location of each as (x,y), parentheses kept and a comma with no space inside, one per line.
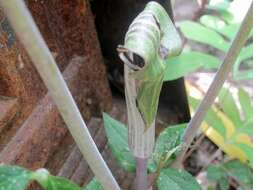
(69,30)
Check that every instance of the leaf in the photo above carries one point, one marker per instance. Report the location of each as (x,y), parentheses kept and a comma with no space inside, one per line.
(215,173)
(246,104)
(219,5)
(247,127)
(246,52)
(172,179)
(58,183)
(117,136)
(230,30)
(168,142)
(233,138)
(212,22)
(197,32)
(248,150)
(222,8)
(217,24)
(13,177)
(188,62)
(17,178)
(211,117)
(229,107)
(223,184)
(243,75)
(241,172)
(93,185)
(49,182)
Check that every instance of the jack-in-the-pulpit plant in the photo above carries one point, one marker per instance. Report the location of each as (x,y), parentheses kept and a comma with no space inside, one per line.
(150,40)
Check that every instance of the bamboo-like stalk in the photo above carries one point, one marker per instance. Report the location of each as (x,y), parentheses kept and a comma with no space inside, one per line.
(219,79)
(29,35)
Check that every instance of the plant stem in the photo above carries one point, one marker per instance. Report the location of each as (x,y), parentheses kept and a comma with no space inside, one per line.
(29,35)
(219,79)
(141,173)
(141,142)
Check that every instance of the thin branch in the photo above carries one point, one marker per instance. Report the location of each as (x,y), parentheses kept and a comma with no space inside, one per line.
(194,147)
(217,83)
(28,33)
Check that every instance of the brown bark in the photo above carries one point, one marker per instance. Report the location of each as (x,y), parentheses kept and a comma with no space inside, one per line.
(36,129)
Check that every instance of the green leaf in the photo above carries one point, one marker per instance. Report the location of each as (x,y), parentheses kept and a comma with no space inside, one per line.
(221,7)
(246,53)
(93,185)
(241,172)
(227,102)
(248,150)
(14,177)
(188,62)
(247,127)
(117,136)
(230,30)
(197,32)
(212,22)
(50,182)
(243,75)
(168,142)
(211,118)
(58,183)
(217,24)
(246,104)
(215,173)
(223,184)
(171,179)
(152,166)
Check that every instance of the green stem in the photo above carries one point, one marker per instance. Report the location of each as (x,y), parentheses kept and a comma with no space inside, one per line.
(29,35)
(219,79)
